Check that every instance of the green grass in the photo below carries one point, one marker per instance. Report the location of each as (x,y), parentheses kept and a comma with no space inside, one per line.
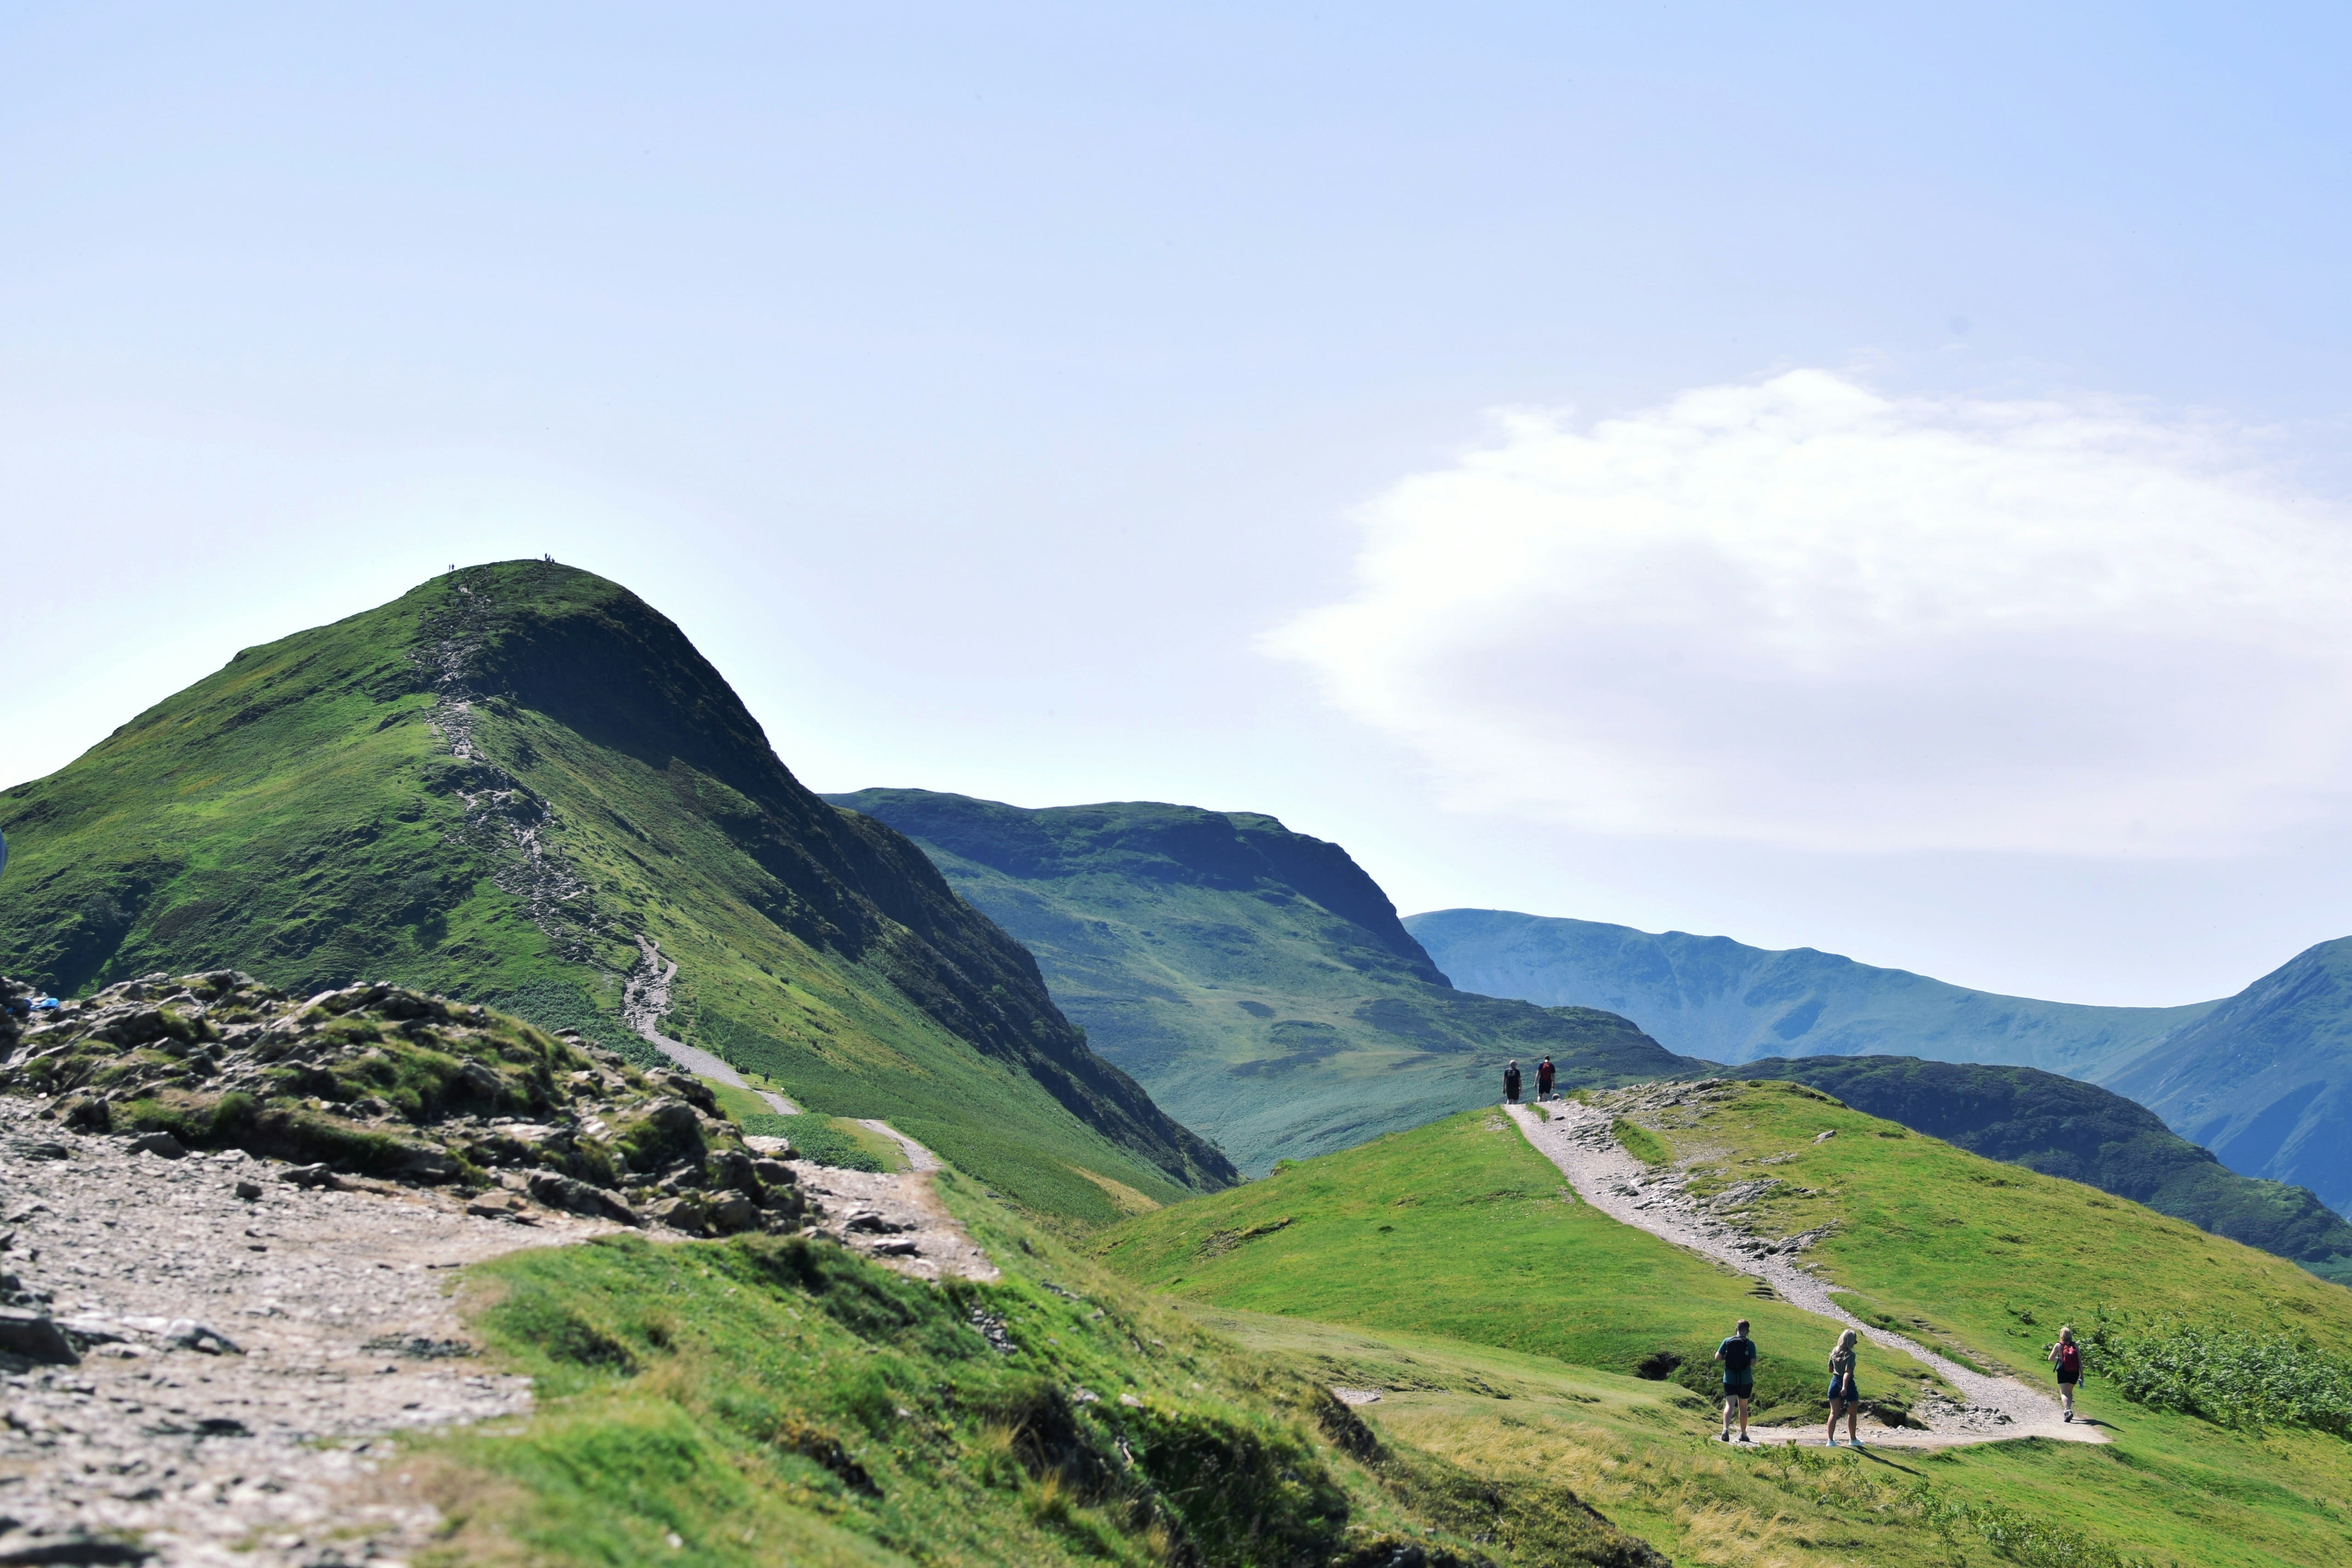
(1460,1230)
(1641,1142)
(2063,1128)
(764,1400)
(1991,1259)
(1626,1447)
(827,1140)
(1987,1259)
(296,815)
(1253,979)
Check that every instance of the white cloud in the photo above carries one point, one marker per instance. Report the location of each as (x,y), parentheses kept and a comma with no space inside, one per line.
(1801,612)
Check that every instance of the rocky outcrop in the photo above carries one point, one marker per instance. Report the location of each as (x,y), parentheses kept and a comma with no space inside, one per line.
(385,1085)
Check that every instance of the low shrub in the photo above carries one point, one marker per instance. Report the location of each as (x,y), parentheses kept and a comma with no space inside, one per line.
(2231,1376)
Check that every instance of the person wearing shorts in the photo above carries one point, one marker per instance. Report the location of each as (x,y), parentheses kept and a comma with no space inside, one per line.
(1738,1355)
(1843,1393)
(2066,1357)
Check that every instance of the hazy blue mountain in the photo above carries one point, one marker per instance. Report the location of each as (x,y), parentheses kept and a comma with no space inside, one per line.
(1710,996)
(1255,979)
(2264,1078)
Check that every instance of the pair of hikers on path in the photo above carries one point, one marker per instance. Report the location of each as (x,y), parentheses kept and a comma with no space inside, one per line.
(1739,1355)
(1511,1081)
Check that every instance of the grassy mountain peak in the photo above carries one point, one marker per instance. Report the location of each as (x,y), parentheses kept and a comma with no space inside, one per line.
(494,786)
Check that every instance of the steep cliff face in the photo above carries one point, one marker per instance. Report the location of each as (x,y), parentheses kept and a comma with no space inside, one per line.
(1256,979)
(495,785)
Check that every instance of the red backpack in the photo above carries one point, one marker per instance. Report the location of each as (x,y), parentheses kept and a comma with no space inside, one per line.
(2070,1361)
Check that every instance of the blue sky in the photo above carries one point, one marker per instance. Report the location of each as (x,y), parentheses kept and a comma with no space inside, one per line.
(1070,404)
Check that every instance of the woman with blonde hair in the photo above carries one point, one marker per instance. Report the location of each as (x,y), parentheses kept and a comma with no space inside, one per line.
(1842,1391)
(2067,1357)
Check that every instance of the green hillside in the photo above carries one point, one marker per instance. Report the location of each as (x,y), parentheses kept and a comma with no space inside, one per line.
(780,1401)
(1441,1247)
(2062,1127)
(494,786)
(2264,1080)
(1253,979)
(1710,996)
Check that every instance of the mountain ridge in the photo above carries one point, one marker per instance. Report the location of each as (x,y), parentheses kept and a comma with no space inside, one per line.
(2265,1078)
(492,785)
(1198,951)
(1712,996)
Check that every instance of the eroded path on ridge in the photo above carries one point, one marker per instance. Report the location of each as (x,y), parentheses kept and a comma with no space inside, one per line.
(644,1000)
(1577,1139)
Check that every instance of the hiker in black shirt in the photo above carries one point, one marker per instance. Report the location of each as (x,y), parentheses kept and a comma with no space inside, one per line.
(1543,1079)
(1511,1084)
(1738,1355)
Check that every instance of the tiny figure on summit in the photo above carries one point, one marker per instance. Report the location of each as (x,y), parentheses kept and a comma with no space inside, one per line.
(1511,1084)
(2066,1356)
(1543,1078)
(1842,1391)
(1738,1355)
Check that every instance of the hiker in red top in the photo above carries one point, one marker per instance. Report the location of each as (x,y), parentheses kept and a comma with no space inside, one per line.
(1543,1079)
(2067,1357)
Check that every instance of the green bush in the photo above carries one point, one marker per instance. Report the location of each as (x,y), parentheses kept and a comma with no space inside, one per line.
(2228,1375)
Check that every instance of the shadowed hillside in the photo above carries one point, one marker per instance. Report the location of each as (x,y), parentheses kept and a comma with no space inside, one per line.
(495,785)
(1255,979)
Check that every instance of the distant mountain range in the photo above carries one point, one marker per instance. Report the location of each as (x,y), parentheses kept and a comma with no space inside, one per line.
(1710,996)
(2262,1079)
(1261,985)
(1253,979)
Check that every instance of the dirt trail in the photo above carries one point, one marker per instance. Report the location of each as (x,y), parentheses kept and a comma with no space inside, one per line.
(243,1357)
(1577,1139)
(918,1157)
(646,998)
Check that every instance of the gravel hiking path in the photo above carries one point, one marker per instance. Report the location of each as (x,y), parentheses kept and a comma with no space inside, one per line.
(897,1220)
(1577,1139)
(241,1356)
(919,1159)
(644,1000)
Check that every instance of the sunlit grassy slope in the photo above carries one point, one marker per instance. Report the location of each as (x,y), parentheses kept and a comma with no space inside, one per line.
(1985,1258)
(1975,1245)
(1461,1230)
(2063,1127)
(1255,979)
(491,788)
(770,1401)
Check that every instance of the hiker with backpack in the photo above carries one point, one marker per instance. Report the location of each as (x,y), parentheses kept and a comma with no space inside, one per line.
(1738,1355)
(1511,1084)
(1842,1392)
(2066,1356)
(1543,1079)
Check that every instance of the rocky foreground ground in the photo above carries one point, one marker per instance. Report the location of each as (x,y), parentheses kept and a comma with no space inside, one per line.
(229,1223)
